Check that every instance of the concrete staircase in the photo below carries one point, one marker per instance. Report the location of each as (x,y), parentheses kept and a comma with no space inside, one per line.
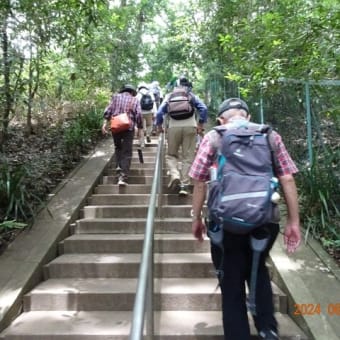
(89,289)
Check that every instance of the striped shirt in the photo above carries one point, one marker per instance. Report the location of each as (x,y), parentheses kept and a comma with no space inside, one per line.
(125,102)
(206,156)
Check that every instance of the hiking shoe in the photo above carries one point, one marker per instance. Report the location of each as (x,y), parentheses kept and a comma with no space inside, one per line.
(148,139)
(268,335)
(174,183)
(183,191)
(122,182)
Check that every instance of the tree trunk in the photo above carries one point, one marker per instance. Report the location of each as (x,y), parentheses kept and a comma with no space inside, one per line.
(7,99)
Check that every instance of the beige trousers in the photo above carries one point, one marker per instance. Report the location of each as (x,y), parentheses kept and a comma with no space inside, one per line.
(181,147)
(147,126)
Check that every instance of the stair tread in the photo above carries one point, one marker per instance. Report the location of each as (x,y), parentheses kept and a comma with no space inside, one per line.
(103,323)
(112,219)
(113,285)
(131,258)
(184,236)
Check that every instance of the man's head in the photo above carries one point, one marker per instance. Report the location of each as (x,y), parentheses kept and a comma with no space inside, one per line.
(182,81)
(232,107)
(128,88)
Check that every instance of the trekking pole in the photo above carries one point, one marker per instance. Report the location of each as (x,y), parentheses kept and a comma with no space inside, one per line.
(258,246)
(140,155)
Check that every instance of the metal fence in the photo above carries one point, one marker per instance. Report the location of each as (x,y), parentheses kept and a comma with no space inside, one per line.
(305,113)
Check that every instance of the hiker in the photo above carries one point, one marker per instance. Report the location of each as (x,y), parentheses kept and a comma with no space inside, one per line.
(157,92)
(149,109)
(237,254)
(183,128)
(124,101)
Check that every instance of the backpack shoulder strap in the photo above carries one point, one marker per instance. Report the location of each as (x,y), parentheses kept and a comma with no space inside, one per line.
(267,129)
(273,148)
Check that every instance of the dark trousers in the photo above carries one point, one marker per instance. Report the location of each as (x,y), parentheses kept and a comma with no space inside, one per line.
(237,262)
(123,142)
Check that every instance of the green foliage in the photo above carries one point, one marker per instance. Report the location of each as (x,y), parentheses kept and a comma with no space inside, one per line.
(320,197)
(264,41)
(9,225)
(14,197)
(80,133)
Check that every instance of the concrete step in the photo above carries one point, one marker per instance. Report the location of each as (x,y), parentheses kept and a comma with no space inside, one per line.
(133,211)
(138,171)
(131,225)
(115,211)
(124,265)
(118,295)
(133,179)
(129,189)
(99,325)
(149,147)
(114,199)
(131,243)
(148,164)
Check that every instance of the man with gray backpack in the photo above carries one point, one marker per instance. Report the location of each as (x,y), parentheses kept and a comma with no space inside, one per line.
(242,164)
(183,126)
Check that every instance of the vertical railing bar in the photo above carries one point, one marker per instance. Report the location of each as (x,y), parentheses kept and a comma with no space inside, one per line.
(309,123)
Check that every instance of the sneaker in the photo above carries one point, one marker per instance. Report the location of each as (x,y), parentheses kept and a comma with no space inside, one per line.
(122,182)
(183,191)
(174,183)
(268,335)
(148,139)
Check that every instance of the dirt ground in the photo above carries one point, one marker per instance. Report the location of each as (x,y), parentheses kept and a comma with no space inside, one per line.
(46,163)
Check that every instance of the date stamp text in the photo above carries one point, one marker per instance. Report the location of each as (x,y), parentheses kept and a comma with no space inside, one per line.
(332,309)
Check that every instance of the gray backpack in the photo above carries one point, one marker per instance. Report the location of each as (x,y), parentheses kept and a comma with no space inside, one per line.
(240,198)
(179,105)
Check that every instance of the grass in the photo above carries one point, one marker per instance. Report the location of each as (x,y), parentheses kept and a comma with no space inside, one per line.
(320,198)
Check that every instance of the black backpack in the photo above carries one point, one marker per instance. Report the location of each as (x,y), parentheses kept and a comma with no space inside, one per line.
(146,102)
(180,104)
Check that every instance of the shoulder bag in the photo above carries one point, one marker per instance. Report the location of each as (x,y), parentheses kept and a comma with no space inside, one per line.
(121,122)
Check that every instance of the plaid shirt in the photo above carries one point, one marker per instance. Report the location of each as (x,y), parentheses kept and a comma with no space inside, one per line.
(206,156)
(125,102)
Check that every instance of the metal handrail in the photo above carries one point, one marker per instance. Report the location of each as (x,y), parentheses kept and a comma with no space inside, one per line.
(144,297)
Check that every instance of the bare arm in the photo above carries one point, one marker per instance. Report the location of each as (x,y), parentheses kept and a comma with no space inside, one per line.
(198,227)
(292,234)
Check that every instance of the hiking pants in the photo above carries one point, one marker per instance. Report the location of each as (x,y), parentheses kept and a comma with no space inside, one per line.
(123,151)
(237,262)
(184,139)
(147,122)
